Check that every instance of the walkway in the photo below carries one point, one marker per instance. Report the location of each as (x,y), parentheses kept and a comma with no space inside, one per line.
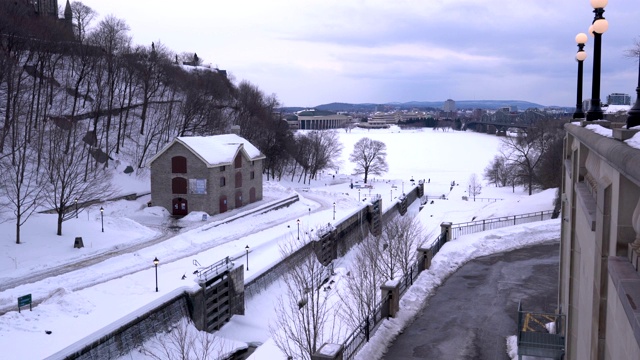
(473,312)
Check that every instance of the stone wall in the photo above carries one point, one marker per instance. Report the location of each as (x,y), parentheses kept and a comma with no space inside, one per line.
(161,175)
(601,197)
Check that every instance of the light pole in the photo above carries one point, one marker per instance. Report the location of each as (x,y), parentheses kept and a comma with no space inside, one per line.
(247,249)
(334,210)
(581,39)
(76,207)
(634,113)
(358,194)
(298,221)
(391,197)
(597,28)
(102,217)
(155,263)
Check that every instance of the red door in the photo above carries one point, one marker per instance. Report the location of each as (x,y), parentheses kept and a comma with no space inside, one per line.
(252,195)
(179,206)
(238,199)
(223,204)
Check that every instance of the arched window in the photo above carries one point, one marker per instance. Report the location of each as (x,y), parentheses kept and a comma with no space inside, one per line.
(179,165)
(238,161)
(179,185)
(238,180)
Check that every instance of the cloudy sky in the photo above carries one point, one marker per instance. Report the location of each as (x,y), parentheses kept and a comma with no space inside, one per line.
(311,52)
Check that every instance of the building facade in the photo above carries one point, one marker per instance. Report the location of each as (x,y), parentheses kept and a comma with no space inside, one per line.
(618,99)
(599,282)
(212,174)
(323,122)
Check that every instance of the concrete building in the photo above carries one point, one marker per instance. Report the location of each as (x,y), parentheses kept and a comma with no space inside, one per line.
(599,285)
(213,174)
(321,120)
(449,106)
(618,99)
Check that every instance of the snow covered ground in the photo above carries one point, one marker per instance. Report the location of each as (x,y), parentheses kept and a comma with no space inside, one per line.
(76,296)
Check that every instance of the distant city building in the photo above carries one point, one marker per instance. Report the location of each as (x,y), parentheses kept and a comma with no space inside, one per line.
(321,120)
(449,106)
(618,99)
(385,118)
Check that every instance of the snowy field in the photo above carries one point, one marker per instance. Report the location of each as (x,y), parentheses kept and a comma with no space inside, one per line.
(77,298)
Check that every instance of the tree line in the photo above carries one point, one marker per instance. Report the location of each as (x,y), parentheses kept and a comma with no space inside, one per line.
(75,106)
(531,158)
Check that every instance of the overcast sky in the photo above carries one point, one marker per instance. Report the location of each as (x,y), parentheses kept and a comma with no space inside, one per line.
(311,52)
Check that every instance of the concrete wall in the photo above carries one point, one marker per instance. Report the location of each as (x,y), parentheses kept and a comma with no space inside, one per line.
(601,189)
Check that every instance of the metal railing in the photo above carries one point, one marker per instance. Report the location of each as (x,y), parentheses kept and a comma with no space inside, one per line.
(460,229)
(409,277)
(215,268)
(363,332)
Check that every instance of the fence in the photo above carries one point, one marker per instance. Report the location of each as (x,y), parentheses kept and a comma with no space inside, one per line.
(362,333)
(540,334)
(458,230)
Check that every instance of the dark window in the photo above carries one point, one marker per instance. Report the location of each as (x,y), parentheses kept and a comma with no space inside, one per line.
(238,179)
(238,161)
(179,165)
(253,163)
(252,175)
(222,168)
(223,181)
(179,185)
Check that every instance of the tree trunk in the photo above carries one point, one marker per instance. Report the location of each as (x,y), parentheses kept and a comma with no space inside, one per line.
(18,228)
(59,232)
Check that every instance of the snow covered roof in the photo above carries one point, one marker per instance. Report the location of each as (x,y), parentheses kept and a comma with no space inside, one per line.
(612,109)
(216,150)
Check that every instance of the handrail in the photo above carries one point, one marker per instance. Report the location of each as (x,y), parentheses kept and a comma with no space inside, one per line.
(215,267)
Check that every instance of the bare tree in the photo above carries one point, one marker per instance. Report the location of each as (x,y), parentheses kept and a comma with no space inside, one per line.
(475,186)
(325,150)
(184,342)
(304,318)
(83,15)
(360,294)
(23,183)
(370,157)
(526,149)
(396,246)
(67,176)
(495,172)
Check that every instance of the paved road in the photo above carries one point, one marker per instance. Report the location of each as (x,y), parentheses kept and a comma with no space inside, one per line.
(473,312)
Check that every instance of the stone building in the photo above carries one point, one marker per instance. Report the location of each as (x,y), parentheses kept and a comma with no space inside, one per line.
(213,174)
(599,284)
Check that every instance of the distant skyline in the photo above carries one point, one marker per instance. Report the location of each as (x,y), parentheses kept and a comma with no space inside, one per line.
(315,52)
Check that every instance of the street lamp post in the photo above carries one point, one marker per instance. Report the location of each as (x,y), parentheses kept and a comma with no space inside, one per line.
(247,249)
(334,210)
(76,207)
(391,197)
(597,28)
(634,113)
(581,39)
(358,194)
(298,221)
(102,217)
(155,263)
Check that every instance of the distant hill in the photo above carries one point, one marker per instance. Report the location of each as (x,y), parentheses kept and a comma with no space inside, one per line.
(460,104)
